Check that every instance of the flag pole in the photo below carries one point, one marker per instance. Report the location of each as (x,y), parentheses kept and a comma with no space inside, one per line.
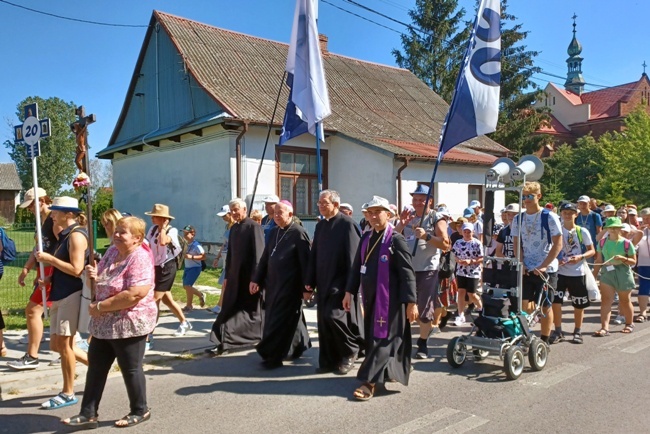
(319,170)
(266,143)
(426,201)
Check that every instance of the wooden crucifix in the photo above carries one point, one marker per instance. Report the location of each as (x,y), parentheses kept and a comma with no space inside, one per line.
(80,130)
(82,160)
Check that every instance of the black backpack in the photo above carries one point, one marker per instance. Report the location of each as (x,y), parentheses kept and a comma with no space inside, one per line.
(446,268)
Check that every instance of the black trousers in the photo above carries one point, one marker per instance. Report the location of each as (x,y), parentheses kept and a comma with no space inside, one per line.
(101,355)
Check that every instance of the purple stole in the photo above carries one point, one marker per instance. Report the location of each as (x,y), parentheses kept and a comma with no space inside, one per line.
(383,273)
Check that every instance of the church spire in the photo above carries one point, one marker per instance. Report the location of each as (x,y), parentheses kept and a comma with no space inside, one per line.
(574,80)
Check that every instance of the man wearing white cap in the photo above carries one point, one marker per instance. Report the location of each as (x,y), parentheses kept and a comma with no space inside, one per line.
(478,224)
(346,209)
(382,269)
(430,234)
(588,219)
(267,221)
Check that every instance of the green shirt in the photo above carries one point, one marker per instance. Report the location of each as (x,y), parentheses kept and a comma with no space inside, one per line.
(613,248)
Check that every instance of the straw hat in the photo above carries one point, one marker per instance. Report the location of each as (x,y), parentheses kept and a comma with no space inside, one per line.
(459,221)
(158,210)
(65,204)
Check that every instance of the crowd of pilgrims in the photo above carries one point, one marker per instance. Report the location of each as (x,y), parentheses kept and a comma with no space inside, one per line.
(371,280)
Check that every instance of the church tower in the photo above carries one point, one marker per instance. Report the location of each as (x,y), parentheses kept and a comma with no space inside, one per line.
(575,82)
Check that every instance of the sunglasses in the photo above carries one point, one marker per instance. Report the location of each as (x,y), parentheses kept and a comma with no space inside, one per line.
(529,196)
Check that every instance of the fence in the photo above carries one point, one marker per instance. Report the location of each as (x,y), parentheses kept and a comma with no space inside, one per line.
(12,295)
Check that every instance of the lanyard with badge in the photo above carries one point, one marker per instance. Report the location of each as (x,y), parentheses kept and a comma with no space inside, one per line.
(365,261)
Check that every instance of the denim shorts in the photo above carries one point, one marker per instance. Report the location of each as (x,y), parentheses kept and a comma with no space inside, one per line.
(190,275)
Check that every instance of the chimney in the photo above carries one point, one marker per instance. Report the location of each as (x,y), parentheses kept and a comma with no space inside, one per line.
(322,41)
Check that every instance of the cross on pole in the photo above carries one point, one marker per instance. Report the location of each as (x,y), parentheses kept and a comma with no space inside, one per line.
(644,66)
(30,133)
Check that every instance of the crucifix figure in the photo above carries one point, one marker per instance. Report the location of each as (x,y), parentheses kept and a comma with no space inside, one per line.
(80,130)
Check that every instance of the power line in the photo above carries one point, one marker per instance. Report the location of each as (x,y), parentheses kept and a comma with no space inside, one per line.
(359,16)
(98,23)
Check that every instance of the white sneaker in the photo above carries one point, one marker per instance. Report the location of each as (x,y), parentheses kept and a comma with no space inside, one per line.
(620,319)
(460,320)
(183,328)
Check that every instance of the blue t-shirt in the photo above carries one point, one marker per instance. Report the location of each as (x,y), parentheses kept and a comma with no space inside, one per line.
(590,221)
(194,248)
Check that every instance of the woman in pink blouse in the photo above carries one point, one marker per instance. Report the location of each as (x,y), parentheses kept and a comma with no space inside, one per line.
(123,313)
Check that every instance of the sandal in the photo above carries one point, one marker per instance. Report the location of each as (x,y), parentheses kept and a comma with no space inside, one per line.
(601,333)
(629,328)
(81,422)
(202,300)
(59,401)
(364,392)
(577,338)
(639,318)
(187,308)
(132,419)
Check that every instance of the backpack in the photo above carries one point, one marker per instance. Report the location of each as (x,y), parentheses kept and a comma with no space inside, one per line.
(626,245)
(180,258)
(8,248)
(583,248)
(545,226)
(445,269)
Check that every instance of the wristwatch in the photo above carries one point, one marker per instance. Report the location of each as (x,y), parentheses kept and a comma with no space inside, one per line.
(428,238)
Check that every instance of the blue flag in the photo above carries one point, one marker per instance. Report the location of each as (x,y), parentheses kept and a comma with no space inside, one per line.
(308,101)
(474,108)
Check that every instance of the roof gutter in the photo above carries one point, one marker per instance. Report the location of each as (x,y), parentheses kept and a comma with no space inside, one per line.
(399,183)
(238,156)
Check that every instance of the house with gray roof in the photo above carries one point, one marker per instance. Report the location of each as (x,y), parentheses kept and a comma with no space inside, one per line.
(201,101)
(10,187)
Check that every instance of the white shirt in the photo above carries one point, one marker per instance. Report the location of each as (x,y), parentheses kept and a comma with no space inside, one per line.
(163,254)
(643,250)
(571,247)
(535,243)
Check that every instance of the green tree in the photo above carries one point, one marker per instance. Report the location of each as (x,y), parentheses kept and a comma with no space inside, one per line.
(518,119)
(56,164)
(575,170)
(625,156)
(434,47)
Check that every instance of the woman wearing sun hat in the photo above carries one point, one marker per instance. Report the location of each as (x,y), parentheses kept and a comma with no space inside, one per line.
(68,260)
(615,256)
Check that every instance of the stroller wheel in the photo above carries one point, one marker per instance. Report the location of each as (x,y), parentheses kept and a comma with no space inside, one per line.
(480,354)
(456,353)
(537,354)
(514,362)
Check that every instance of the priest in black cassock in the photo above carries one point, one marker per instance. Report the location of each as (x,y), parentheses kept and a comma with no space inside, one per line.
(239,324)
(281,275)
(336,238)
(382,268)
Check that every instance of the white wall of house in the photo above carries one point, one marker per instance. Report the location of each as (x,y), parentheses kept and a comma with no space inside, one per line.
(452,182)
(193,177)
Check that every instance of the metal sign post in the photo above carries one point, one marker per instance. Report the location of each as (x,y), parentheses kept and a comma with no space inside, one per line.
(31,132)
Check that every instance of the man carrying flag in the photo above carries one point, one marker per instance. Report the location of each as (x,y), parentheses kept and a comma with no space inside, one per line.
(474,108)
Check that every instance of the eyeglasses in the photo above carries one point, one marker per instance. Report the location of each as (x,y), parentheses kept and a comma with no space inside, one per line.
(323,203)
(529,196)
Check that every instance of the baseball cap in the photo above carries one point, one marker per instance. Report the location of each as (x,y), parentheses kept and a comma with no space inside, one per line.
(271,199)
(467,226)
(346,206)
(29,196)
(626,227)
(474,204)
(468,212)
(189,228)
(584,198)
(632,211)
(512,207)
(549,205)
(609,207)
(224,210)
(569,207)
(645,212)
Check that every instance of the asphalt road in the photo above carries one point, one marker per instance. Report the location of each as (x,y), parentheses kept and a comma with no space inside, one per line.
(598,387)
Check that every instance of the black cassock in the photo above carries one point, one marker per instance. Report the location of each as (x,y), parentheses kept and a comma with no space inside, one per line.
(240,321)
(332,254)
(390,357)
(281,273)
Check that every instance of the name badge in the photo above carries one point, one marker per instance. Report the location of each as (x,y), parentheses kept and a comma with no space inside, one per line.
(363,269)
(609,268)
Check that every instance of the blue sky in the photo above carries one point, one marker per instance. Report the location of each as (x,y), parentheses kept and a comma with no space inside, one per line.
(92,64)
